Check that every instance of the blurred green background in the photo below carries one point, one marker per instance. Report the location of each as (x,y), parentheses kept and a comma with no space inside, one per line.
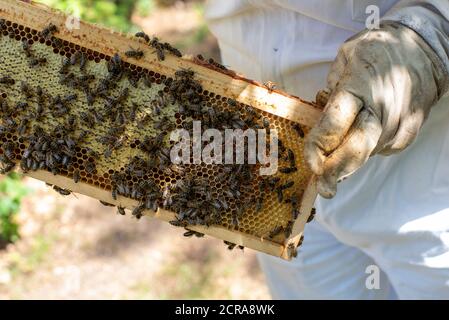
(127,15)
(112,13)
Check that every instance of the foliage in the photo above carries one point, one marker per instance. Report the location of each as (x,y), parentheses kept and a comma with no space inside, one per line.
(11,193)
(144,7)
(115,14)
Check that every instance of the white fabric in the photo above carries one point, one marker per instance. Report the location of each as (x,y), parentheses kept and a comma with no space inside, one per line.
(394,212)
(429,18)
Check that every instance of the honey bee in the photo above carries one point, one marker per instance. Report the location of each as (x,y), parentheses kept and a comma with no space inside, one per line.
(76,176)
(61,191)
(116,59)
(83,62)
(175,51)
(26,89)
(280,195)
(270,86)
(151,204)
(138,211)
(75,57)
(82,136)
(90,97)
(71,122)
(106,204)
(88,119)
(292,251)
(133,111)
(288,229)
(23,126)
(7,165)
(90,167)
(160,54)
(48,31)
(295,213)
(121,211)
(281,146)
(190,233)
(9,124)
(301,240)
(277,230)
(57,43)
(154,42)
(178,223)
(259,203)
(266,123)
(115,68)
(291,158)
(26,46)
(312,215)
(114,192)
(20,106)
(298,130)
(8,150)
(65,65)
(93,154)
(288,170)
(35,62)
(143,35)
(4,106)
(230,245)
(133,80)
(199,234)
(216,64)
(287,185)
(294,204)
(134,53)
(7,80)
(184,73)
(147,81)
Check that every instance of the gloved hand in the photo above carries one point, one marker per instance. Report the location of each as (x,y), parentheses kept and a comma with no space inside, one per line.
(382,86)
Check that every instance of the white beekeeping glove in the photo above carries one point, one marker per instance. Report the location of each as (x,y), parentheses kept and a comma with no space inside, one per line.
(382,87)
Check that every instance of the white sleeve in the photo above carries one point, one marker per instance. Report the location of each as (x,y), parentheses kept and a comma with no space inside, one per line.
(429,18)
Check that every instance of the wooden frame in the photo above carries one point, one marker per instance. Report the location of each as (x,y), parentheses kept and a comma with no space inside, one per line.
(225,83)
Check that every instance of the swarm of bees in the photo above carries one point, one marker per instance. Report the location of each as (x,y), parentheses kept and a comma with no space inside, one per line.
(160,47)
(211,63)
(110,103)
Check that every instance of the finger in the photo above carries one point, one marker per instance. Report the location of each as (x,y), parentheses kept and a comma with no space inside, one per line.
(336,70)
(351,154)
(338,67)
(406,134)
(326,136)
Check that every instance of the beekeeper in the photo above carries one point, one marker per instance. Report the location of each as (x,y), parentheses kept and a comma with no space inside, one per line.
(385,232)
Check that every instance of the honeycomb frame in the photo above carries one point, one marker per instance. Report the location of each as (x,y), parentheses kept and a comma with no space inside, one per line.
(24,21)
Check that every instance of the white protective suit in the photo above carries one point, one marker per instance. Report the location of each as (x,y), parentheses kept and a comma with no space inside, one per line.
(394,212)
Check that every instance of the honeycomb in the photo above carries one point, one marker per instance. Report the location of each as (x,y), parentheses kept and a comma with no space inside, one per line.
(98,164)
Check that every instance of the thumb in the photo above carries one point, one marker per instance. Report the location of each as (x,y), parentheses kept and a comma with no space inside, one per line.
(351,154)
(339,115)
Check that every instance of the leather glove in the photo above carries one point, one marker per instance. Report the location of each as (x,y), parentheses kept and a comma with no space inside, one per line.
(382,86)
